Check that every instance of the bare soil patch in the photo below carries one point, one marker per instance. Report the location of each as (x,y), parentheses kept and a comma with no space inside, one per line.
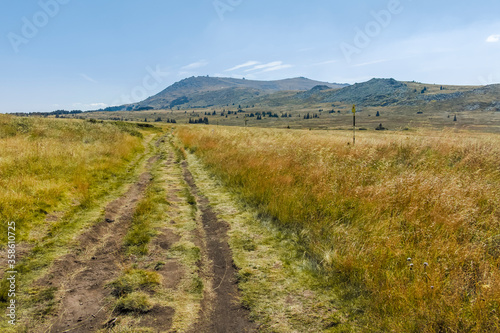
(159,317)
(171,270)
(166,239)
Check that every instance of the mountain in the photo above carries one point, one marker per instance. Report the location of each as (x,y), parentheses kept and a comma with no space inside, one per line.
(204,91)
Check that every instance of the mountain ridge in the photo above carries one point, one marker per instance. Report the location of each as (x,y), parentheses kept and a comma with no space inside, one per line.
(205,92)
(196,91)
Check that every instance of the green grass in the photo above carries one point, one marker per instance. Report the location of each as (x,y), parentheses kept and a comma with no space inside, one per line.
(149,211)
(134,280)
(134,302)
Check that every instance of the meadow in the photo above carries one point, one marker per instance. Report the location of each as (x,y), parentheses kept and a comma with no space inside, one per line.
(91,196)
(48,166)
(403,225)
(398,233)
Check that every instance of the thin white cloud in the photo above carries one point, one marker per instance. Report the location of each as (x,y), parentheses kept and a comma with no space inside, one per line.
(493,39)
(246,64)
(276,68)
(195,65)
(328,62)
(263,66)
(88,78)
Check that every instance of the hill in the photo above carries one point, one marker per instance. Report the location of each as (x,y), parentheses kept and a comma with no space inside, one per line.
(376,92)
(204,91)
(405,95)
(409,97)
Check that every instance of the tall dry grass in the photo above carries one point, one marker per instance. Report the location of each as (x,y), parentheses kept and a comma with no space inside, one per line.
(405,225)
(49,165)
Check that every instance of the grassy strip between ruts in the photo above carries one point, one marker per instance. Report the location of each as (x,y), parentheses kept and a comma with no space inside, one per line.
(162,269)
(404,226)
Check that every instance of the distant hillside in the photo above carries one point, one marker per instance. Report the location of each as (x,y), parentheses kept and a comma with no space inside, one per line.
(376,92)
(389,92)
(486,98)
(204,91)
(410,97)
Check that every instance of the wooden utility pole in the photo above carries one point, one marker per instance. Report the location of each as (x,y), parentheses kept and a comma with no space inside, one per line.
(353,125)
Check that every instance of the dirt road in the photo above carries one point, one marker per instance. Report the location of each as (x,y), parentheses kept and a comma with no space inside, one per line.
(84,299)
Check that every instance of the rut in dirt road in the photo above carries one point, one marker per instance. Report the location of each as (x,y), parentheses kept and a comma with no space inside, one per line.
(83,275)
(222,312)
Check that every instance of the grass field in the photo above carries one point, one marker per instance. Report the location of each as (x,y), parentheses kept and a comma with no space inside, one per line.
(55,175)
(429,116)
(399,233)
(95,223)
(47,166)
(404,226)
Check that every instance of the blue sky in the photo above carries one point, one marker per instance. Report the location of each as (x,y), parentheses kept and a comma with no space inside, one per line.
(76,54)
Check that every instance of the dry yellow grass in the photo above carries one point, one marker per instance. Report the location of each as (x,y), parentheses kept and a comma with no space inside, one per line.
(49,165)
(405,224)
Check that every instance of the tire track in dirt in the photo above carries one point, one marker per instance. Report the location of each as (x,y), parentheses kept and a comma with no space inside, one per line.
(81,276)
(221,310)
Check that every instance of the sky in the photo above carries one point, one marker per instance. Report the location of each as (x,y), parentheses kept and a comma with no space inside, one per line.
(90,54)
